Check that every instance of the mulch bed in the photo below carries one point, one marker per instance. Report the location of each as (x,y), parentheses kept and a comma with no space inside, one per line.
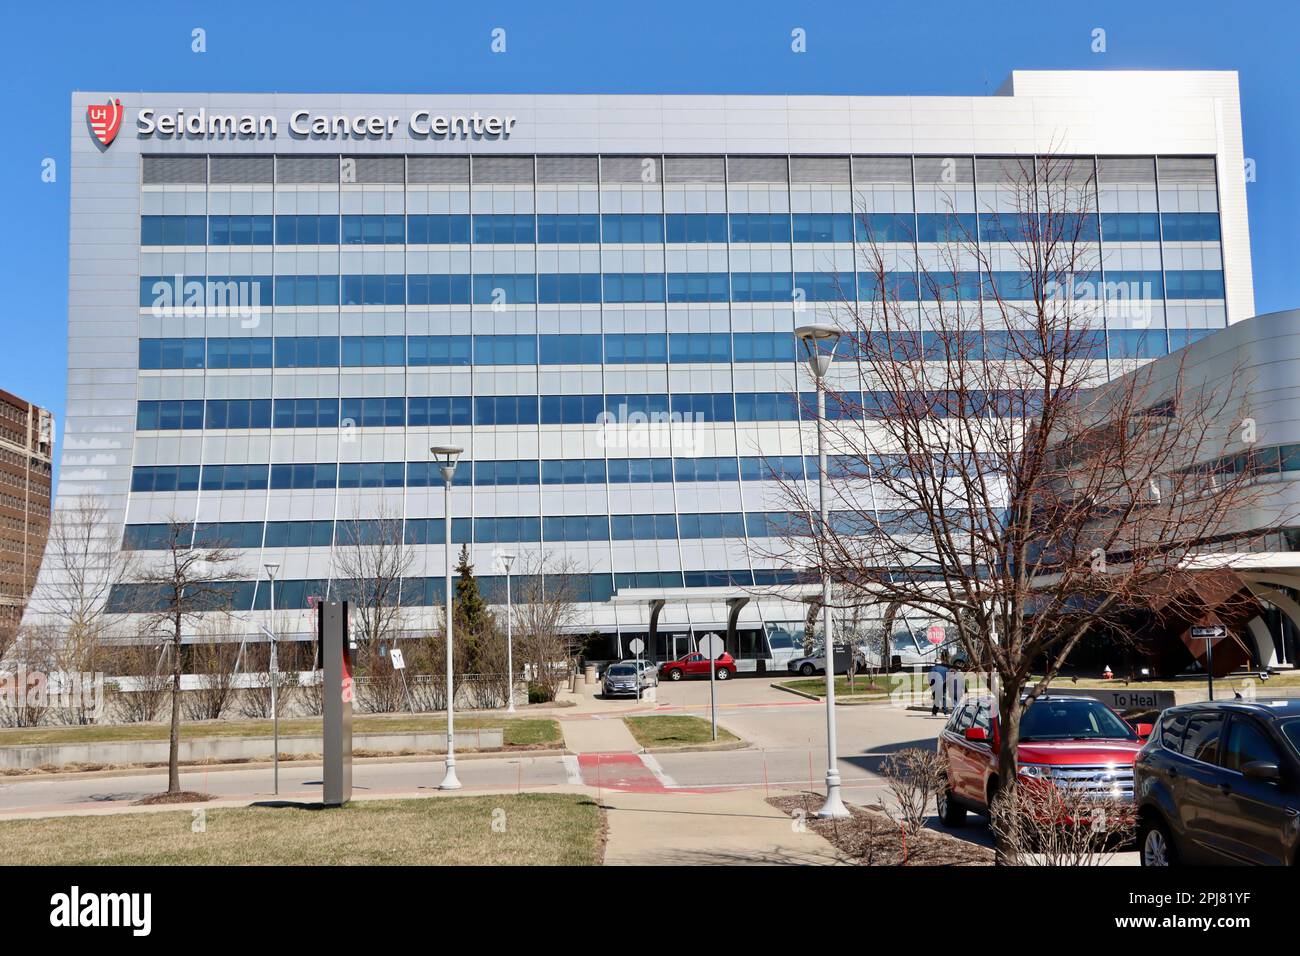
(184,796)
(871,838)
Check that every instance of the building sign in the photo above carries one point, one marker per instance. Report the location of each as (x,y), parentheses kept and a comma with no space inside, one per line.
(306,124)
(105,120)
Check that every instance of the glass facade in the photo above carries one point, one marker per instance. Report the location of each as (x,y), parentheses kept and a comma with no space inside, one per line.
(308,327)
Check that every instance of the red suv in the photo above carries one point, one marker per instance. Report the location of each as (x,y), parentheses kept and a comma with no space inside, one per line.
(1071,742)
(697,665)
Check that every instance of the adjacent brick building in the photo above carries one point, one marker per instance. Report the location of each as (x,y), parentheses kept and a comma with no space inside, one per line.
(26,446)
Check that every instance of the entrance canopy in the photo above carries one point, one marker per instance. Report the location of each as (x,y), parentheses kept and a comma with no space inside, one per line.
(735,598)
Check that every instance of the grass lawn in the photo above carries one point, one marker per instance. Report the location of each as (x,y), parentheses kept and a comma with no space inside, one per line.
(862,685)
(674,731)
(518,731)
(1290,679)
(540,829)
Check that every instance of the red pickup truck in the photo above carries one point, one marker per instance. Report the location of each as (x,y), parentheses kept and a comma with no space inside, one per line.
(697,665)
(1072,742)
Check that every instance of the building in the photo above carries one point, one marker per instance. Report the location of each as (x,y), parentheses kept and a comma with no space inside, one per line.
(1248,576)
(26,486)
(278,303)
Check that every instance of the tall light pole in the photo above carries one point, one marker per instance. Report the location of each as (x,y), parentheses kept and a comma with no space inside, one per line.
(271,568)
(446,457)
(507,560)
(819,343)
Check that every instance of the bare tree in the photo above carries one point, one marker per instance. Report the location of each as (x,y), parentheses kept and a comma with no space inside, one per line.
(184,584)
(984,472)
(144,678)
(83,562)
(212,662)
(371,558)
(545,611)
(914,778)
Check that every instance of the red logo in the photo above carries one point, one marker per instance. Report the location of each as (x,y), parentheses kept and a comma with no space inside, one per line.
(105,120)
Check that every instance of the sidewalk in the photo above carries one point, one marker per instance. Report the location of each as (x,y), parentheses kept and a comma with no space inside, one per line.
(732,827)
(600,735)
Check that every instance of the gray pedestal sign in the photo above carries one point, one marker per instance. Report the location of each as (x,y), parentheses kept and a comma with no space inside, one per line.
(337,690)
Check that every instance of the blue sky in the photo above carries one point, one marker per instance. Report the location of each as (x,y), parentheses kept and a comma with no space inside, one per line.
(47,50)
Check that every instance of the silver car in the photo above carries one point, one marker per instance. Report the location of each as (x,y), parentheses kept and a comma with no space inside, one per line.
(620,680)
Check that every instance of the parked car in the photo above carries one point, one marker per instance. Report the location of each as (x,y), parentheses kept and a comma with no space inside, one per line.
(649,672)
(620,680)
(1073,742)
(697,665)
(815,663)
(1219,782)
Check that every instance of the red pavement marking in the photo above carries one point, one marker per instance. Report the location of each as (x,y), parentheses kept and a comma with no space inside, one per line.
(618,772)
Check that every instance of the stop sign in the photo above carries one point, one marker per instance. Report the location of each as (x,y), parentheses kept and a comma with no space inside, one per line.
(935,634)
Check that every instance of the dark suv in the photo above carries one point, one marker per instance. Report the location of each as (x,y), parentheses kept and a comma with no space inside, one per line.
(1219,782)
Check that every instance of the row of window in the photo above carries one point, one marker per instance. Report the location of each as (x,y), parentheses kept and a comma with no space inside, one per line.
(170,293)
(593,588)
(523,529)
(652,348)
(499,473)
(642,228)
(464,350)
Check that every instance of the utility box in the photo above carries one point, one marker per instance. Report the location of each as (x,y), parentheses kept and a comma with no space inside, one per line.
(338,694)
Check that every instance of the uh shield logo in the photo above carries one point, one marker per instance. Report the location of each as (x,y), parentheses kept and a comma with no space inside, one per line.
(105,120)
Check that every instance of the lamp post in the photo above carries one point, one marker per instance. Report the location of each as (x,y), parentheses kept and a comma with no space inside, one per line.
(446,457)
(271,568)
(819,343)
(507,561)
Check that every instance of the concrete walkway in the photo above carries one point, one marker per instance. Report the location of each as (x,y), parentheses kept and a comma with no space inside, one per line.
(598,736)
(734,827)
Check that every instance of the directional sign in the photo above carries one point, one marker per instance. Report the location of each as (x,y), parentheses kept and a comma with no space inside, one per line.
(935,634)
(399,663)
(636,645)
(1210,631)
(711,646)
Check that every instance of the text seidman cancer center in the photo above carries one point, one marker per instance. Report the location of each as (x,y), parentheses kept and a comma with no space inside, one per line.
(279,303)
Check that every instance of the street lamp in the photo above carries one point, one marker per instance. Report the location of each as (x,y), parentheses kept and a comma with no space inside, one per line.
(819,343)
(271,568)
(507,560)
(446,457)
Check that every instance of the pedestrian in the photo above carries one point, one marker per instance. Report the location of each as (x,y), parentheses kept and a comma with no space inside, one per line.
(939,685)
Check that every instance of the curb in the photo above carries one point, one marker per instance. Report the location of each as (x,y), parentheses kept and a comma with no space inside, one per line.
(839,701)
(140,769)
(791,690)
(699,748)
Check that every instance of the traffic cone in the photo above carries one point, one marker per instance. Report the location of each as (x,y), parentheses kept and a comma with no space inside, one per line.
(1107,674)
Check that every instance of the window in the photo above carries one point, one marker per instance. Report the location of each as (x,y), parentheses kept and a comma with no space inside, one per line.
(240,230)
(1247,743)
(823,227)
(374,230)
(173,230)
(1201,740)
(373,290)
(1173,728)
(772,227)
(633,287)
(696,227)
(504,229)
(437,230)
(439,349)
(568,287)
(568,228)
(570,349)
(632,227)
(307,230)
(699,347)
